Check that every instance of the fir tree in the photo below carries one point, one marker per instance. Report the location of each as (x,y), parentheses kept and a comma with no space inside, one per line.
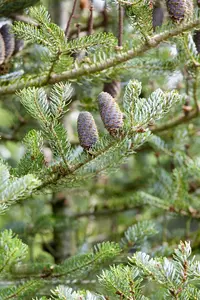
(104,205)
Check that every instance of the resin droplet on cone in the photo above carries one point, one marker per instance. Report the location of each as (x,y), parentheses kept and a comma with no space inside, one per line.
(110,112)
(87,130)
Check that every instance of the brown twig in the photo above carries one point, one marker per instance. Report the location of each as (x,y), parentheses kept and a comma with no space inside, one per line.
(70,18)
(91,20)
(105,18)
(120,26)
(195,87)
(85,28)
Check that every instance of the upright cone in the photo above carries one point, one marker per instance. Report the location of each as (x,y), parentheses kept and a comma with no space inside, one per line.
(158,16)
(180,10)
(110,112)
(87,130)
(2,50)
(9,40)
(113,88)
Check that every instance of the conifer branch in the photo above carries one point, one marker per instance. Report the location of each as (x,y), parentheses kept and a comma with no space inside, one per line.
(98,67)
(144,198)
(105,212)
(176,121)
(29,285)
(75,265)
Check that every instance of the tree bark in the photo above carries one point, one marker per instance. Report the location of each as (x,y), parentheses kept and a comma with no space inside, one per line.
(64,243)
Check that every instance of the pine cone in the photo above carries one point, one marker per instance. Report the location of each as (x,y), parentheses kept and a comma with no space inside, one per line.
(110,113)
(9,40)
(179,10)
(113,88)
(87,130)
(196,38)
(2,50)
(158,16)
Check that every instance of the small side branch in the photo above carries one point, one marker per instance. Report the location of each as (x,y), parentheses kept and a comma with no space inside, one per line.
(105,18)
(176,121)
(121,25)
(91,19)
(98,67)
(70,19)
(195,87)
(84,28)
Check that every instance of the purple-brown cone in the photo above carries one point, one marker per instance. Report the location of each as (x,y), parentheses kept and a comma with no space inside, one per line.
(179,10)
(113,88)
(19,45)
(2,50)
(87,130)
(158,16)
(9,40)
(110,112)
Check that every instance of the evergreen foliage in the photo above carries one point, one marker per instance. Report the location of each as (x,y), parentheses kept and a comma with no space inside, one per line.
(8,7)
(70,230)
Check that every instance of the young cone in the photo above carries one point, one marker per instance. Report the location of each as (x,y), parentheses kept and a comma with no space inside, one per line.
(9,40)
(180,10)
(110,113)
(2,50)
(113,88)
(87,130)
